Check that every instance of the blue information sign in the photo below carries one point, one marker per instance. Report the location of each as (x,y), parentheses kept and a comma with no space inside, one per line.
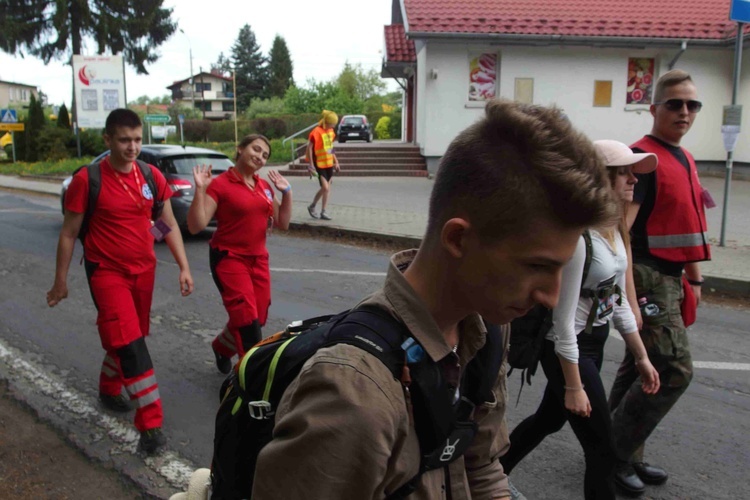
(740,11)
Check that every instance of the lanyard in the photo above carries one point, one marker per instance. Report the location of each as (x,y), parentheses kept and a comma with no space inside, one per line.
(138,202)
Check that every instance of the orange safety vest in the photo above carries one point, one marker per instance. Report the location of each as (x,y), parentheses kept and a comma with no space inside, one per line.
(676,227)
(323,146)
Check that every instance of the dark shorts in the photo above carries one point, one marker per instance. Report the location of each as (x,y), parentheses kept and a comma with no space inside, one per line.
(324,173)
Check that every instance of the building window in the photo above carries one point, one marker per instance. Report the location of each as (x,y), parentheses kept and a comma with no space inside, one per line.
(524,92)
(25,95)
(203,105)
(603,93)
(10,94)
(640,80)
(227,106)
(202,87)
(483,77)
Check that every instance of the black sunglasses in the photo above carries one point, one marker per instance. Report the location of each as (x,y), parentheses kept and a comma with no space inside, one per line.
(677,104)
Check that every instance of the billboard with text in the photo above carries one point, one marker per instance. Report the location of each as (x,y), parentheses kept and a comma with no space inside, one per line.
(99,87)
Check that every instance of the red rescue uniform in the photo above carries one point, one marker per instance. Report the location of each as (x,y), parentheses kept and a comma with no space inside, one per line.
(239,258)
(120,265)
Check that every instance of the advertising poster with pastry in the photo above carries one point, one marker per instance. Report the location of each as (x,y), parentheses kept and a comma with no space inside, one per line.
(482,77)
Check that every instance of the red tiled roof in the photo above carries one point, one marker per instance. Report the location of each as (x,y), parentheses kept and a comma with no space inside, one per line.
(688,19)
(397,47)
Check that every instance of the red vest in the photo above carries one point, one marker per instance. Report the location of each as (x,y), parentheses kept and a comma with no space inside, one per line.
(676,227)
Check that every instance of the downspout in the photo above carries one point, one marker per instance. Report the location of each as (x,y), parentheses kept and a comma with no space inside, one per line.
(683,48)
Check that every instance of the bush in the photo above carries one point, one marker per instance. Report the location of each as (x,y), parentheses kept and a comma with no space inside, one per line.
(382,128)
(265,107)
(273,128)
(197,130)
(92,143)
(54,143)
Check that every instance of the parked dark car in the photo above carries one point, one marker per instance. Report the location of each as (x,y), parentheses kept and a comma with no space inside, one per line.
(176,163)
(354,127)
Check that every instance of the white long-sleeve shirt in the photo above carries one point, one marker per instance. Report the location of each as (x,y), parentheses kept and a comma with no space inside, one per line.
(569,317)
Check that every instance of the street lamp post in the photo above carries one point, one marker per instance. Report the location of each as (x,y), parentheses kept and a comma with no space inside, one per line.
(192,84)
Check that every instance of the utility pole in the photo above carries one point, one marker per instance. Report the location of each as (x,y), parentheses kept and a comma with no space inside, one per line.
(203,98)
(234,95)
(192,82)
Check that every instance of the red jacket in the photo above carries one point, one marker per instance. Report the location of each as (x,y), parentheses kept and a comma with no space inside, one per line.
(676,228)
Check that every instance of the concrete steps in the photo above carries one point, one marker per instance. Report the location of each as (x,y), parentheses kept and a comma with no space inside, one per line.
(373,159)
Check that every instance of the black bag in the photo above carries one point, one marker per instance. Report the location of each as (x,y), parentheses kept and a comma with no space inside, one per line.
(95,186)
(527,332)
(251,393)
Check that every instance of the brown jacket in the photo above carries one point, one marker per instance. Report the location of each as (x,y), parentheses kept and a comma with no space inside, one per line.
(343,430)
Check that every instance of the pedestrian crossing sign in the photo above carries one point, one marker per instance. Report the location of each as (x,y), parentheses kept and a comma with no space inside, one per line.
(8,116)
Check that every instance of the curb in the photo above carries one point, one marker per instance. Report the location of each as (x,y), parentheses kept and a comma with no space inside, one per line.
(338,231)
(727,285)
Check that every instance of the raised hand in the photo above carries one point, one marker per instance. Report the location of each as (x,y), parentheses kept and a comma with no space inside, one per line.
(278,180)
(202,176)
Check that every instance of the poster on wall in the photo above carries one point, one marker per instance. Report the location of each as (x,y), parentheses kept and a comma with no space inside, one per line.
(99,87)
(482,77)
(640,80)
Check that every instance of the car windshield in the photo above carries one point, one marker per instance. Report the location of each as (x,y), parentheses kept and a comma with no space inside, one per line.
(353,120)
(184,164)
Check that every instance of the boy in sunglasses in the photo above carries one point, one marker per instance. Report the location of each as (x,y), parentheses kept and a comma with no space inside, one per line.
(668,229)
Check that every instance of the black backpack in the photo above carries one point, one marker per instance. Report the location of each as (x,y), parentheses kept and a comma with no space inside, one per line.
(251,393)
(95,186)
(527,332)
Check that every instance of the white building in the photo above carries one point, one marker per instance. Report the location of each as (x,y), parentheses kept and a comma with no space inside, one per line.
(598,60)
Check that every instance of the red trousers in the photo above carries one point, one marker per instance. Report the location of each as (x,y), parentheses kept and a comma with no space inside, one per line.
(124,305)
(245,286)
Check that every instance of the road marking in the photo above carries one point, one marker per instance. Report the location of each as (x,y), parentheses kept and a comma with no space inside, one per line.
(168,464)
(25,211)
(326,271)
(708,365)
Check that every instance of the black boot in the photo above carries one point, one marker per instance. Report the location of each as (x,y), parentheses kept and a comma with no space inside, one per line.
(628,481)
(650,474)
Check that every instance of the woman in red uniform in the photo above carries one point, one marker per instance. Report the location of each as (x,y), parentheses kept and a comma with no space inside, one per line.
(245,209)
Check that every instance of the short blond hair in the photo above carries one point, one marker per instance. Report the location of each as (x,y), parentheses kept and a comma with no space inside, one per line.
(670,79)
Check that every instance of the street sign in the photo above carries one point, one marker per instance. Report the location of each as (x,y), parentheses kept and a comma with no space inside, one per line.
(11,127)
(181,118)
(740,11)
(156,118)
(8,116)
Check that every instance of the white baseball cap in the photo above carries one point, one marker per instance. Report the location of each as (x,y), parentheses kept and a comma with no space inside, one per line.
(617,154)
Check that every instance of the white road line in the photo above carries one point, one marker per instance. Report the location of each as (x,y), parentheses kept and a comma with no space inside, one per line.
(326,271)
(708,365)
(169,465)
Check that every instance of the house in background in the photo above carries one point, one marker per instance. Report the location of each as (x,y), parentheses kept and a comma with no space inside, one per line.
(14,94)
(209,93)
(598,60)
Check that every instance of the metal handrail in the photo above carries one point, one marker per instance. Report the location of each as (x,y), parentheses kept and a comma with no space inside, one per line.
(295,135)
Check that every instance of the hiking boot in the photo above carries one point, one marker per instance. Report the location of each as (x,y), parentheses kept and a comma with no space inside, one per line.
(151,440)
(223,363)
(117,403)
(311,211)
(324,215)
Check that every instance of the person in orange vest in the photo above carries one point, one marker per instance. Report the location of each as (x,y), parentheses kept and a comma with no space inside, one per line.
(323,160)
(669,239)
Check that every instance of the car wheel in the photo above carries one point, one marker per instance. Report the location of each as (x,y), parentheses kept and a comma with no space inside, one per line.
(369,138)
(342,141)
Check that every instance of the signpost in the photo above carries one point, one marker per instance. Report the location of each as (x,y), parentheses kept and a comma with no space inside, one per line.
(155,119)
(181,118)
(739,11)
(9,123)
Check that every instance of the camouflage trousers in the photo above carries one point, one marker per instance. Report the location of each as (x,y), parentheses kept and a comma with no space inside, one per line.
(635,414)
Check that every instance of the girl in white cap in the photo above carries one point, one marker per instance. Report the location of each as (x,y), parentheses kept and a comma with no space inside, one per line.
(580,328)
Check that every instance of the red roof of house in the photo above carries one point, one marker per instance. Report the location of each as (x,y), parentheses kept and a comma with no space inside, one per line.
(688,19)
(397,47)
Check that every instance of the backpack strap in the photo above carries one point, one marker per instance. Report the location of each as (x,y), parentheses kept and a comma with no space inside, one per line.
(95,186)
(148,176)
(589,256)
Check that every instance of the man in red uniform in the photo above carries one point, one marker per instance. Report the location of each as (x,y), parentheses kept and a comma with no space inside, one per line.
(120,265)
(668,239)
(323,160)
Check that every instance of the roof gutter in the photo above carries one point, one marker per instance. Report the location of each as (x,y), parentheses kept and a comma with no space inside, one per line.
(683,48)
(547,40)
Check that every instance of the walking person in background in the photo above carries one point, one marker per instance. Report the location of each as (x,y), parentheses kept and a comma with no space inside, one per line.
(118,249)
(323,160)
(668,239)
(574,348)
(246,210)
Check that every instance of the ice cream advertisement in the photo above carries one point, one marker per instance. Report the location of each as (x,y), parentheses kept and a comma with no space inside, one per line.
(482,77)
(640,80)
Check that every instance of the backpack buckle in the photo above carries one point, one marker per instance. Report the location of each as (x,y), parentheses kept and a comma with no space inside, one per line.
(259,410)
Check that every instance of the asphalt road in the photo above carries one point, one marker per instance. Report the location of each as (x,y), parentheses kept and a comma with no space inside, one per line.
(52,357)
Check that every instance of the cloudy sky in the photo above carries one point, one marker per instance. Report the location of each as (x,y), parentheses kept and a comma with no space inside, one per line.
(321,36)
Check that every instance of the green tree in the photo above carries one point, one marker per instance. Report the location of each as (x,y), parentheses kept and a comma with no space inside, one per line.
(280,68)
(33,126)
(320,96)
(357,82)
(251,67)
(50,30)
(63,118)
(222,66)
